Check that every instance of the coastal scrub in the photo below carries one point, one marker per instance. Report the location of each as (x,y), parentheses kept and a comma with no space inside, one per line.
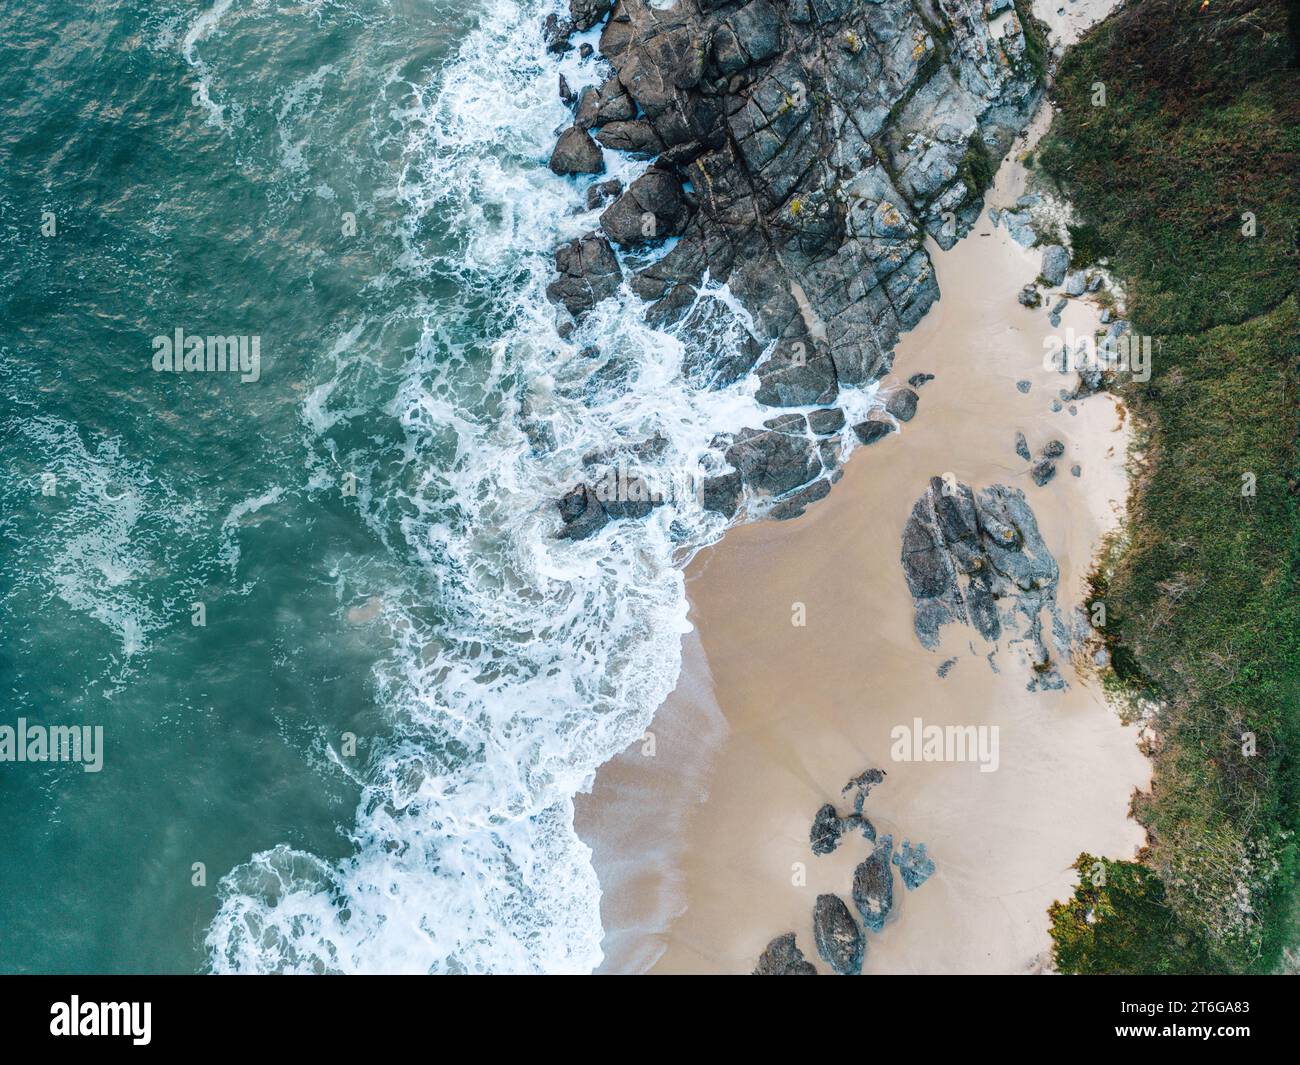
(1186,178)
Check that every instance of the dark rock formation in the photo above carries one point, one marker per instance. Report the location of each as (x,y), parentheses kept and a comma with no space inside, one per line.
(826,830)
(826,422)
(581,513)
(902,404)
(794,505)
(601,193)
(822,141)
(919,379)
(873,429)
(608,102)
(1056,261)
(839,939)
(1042,471)
(589,272)
(860,787)
(873,885)
(651,210)
(637,138)
(557,32)
(614,494)
(773,462)
(802,151)
(980,560)
(782,958)
(721,494)
(1022,447)
(576,153)
(586,13)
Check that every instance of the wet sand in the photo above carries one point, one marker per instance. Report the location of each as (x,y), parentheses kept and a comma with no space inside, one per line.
(701,841)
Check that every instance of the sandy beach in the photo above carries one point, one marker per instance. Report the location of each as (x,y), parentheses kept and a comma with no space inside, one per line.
(700,838)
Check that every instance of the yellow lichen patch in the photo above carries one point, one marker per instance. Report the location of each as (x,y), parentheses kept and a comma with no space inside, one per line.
(796,206)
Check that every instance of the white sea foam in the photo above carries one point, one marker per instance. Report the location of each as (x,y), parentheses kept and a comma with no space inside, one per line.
(521,661)
(109,522)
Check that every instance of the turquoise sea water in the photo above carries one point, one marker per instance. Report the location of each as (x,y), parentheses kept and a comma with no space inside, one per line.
(368,527)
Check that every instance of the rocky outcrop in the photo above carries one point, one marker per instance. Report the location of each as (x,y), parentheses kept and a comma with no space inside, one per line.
(902,404)
(873,885)
(802,151)
(822,140)
(651,209)
(773,461)
(839,939)
(1056,261)
(980,560)
(589,273)
(828,828)
(783,958)
(576,153)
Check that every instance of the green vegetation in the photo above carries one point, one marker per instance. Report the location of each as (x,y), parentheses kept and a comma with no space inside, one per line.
(1119,923)
(1035,37)
(1086,245)
(1199,138)
(976,169)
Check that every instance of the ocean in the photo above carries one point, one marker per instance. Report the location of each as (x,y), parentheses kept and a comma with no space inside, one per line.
(348,678)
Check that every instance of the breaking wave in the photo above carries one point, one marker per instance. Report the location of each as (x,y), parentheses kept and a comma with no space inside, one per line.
(518,662)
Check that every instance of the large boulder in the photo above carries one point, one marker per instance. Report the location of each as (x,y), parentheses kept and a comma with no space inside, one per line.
(902,404)
(873,885)
(773,462)
(783,958)
(576,153)
(873,429)
(721,493)
(589,273)
(652,209)
(1056,261)
(582,513)
(839,939)
(586,13)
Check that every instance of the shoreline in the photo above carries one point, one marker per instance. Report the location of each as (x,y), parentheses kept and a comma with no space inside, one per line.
(805,709)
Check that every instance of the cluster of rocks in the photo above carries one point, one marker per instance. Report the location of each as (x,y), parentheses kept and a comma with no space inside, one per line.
(1055,273)
(1019,220)
(801,151)
(979,559)
(839,937)
(1044,469)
